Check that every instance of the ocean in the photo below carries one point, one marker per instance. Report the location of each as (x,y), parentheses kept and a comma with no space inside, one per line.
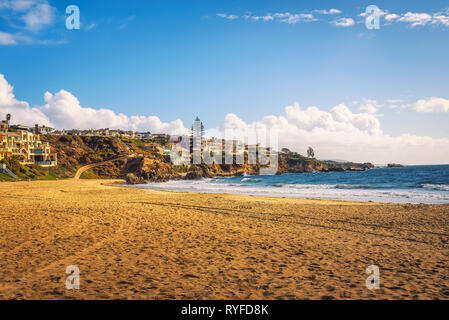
(409,184)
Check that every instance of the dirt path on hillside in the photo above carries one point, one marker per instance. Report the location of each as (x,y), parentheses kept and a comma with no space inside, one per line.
(93,165)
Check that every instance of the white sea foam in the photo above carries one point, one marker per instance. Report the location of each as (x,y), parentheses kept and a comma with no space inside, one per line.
(440,187)
(427,194)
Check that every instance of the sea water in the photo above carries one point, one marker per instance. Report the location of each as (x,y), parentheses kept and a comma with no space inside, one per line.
(409,184)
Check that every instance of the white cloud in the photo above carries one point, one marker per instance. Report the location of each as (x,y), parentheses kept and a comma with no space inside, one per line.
(370,106)
(20,110)
(413,19)
(394,100)
(416,19)
(432,105)
(39,16)
(400,106)
(343,22)
(17,5)
(428,105)
(27,18)
(227,16)
(16,38)
(420,19)
(7,39)
(287,17)
(294,18)
(391,16)
(342,134)
(335,134)
(90,26)
(334,11)
(440,19)
(330,11)
(63,111)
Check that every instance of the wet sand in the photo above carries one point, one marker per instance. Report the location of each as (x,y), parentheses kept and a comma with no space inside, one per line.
(140,244)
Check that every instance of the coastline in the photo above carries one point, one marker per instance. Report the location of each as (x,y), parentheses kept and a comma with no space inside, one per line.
(329,194)
(385,185)
(140,244)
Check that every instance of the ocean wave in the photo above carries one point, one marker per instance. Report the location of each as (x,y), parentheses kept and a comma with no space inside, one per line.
(251,179)
(278,185)
(361,186)
(422,195)
(437,187)
(309,186)
(419,184)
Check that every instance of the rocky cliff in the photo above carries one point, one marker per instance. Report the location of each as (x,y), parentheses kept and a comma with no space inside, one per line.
(143,169)
(149,164)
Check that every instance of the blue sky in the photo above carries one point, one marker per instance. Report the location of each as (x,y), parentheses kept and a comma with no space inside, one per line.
(180,59)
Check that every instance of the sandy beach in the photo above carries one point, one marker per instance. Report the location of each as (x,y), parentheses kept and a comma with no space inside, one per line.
(140,244)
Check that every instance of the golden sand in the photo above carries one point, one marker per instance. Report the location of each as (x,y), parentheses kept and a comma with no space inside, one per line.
(139,244)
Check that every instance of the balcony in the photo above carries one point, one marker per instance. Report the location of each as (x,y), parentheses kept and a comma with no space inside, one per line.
(47,163)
